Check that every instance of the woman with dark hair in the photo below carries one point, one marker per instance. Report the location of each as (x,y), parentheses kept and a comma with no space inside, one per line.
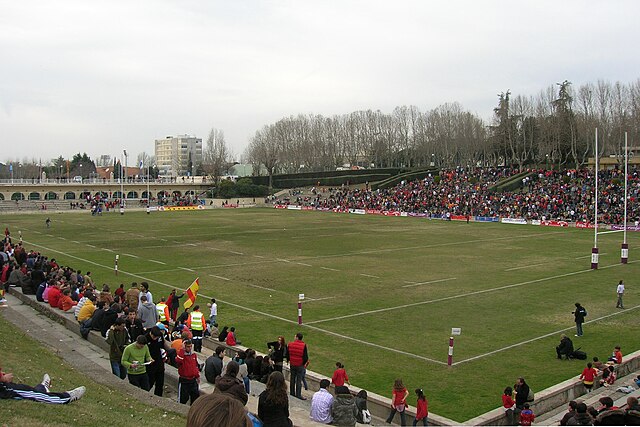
(398,402)
(363,411)
(522,394)
(223,334)
(273,402)
(509,406)
(276,352)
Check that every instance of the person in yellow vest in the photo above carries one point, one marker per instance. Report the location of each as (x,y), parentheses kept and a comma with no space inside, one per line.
(163,312)
(197,324)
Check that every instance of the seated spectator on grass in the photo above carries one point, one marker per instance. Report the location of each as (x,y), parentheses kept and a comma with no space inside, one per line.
(565,348)
(39,393)
(321,404)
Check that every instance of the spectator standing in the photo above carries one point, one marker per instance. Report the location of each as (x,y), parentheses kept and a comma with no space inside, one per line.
(135,357)
(579,314)
(219,410)
(197,324)
(522,393)
(422,409)
(155,371)
(340,375)
(620,292)
(398,402)
(120,291)
(214,311)
(133,325)
(321,403)
(297,356)
(132,296)
(273,402)
(189,373)
(277,350)
(174,303)
(117,339)
(163,312)
(509,405)
(147,313)
(144,290)
(588,376)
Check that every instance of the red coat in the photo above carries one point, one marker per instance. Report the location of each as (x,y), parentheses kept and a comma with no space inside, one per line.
(54,296)
(231,338)
(421,409)
(339,377)
(187,365)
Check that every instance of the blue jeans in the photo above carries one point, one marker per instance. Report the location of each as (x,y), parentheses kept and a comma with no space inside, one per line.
(424,422)
(579,329)
(403,417)
(304,378)
(295,383)
(118,370)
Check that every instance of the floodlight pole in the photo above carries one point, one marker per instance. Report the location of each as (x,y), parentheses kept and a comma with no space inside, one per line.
(624,253)
(594,250)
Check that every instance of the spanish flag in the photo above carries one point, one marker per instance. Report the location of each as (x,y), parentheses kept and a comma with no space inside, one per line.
(192,293)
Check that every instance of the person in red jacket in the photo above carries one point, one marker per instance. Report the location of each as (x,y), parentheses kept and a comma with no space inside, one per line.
(298,358)
(66,303)
(54,296)
(189,373)
(340,375)
(588,376)
(231,337)
(509,405)
(526,416)
(422,411)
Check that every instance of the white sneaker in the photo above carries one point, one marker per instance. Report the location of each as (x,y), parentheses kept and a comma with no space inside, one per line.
(77,393)
(46,382)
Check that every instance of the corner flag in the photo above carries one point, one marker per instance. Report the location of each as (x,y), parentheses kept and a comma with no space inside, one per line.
(192,293)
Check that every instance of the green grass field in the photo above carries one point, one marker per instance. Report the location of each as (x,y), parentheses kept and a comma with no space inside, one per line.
(382,294)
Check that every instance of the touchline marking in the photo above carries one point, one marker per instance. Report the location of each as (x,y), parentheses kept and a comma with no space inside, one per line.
(317,299)
(525,266)
(131,255)
(258,256)
(369,275)
(219,277)
(329,268)
(589,256)
(157,262)
(302,263)
(187,269)
(236,253)
(480,356)
(91,246)
(411,284)
(61,238)
(108,250)
(452,297)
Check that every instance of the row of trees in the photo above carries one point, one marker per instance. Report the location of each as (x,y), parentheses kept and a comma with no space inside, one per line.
(555,127)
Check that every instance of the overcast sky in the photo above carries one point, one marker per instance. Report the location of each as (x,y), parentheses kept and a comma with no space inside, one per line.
(103,76)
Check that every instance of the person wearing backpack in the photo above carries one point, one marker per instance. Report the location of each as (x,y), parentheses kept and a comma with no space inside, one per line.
(579,314)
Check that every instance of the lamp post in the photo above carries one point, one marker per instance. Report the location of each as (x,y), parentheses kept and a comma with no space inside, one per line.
(122,173)
(11,170)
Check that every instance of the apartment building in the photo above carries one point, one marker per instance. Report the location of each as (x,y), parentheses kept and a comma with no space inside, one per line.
(178,155)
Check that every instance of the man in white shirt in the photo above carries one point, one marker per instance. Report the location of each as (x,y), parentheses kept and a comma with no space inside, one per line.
(620,292)
(214,311)
(321,404)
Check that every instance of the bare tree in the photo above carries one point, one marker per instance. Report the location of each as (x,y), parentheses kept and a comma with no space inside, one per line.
(216,155)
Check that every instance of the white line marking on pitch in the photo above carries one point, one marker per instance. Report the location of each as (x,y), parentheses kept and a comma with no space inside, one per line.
(283,260)
(157,262)
(75,241)
(61,238)
(190,244)
(452,297)
(108,250)
(164,240)
(412,284)
(131,255)
(317,299)
(261,287)
(187,269)
(237,253)
(219,277)
(328,268)
(589,256)
(525,266)
(302,263)
(369,275)
(307,325)
(91,246)
(554,333)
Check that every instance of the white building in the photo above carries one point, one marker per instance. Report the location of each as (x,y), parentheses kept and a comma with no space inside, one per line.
(178,155)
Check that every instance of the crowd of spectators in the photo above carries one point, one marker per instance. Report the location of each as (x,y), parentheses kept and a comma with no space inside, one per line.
(566,195)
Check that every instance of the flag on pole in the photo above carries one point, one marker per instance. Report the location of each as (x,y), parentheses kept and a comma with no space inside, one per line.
(141,164)
(192,293)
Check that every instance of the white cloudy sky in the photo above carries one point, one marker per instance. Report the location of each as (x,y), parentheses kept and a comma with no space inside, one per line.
(103,76)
